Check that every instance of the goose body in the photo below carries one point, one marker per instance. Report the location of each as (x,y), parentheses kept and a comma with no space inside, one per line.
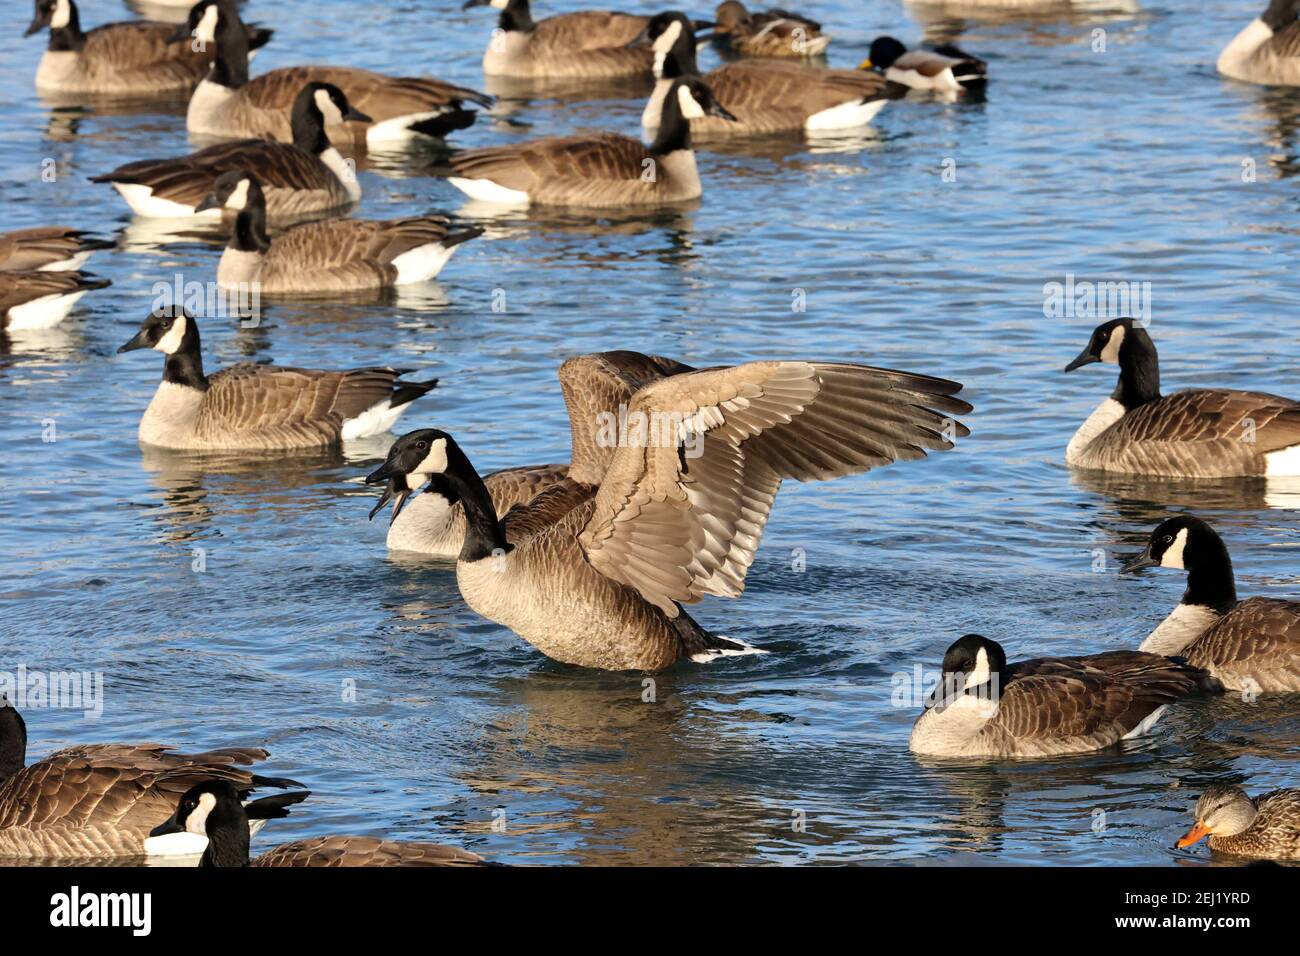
(47,249)
(765,96)
(333,256)
(594,570)
(260,407)
(100,801)
(945,69)
(1197,433)
(588,44)
(1266,827)
(134,58)
(601,170)
(212,811)
(299,178)
(771,33)
(43,299)
(1251,645)
(1045,707)
(1267,51)
(228,103)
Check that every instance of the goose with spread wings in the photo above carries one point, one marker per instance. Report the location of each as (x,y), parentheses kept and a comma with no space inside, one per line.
(666,504)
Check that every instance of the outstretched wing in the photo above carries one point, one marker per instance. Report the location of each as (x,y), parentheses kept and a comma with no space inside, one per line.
(676,526)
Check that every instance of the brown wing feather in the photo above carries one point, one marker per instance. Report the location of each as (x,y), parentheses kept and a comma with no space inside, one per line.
(677,528)
(1285,43)
(17,288)
(379,96)
(1258,640)
(537,163)
(773,95)
(585,30)
(30,249)
(345,253)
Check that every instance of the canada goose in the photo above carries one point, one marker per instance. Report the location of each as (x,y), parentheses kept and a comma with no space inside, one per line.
(97,801)
(775,33)
(1198,433)
(766,96)
(944,68)
(259,407)
(605,169)
(322,258)
(212,809)
(1045,707)
(1247,645)
(1266,827)
(588,44)
(131,58)
(594,386)
(41,300)
(227,103)
(1268,50)
(594,570)
(305,176)
(47,249)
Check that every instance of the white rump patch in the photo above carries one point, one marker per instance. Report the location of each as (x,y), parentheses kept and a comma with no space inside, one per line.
(1147,722)
(714,654)
(485,190)
(144,203)
(845,116)
(375,420)
(422,263)
(398,129)
(66,265)
(43,313)
(1284,463)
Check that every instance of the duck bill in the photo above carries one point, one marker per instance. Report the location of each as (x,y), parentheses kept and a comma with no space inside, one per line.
(1141,562)
(1085,358)
(1193,836)
(865,64)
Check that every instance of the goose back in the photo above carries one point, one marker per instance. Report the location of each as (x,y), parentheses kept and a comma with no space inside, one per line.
(1255,646)
(47,248)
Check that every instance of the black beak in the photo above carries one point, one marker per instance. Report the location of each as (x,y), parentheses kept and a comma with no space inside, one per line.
(354,115)
(162,829)
(391,494)
(717,109)
(474,3)
(382,473)
(139,342)
(1085,358)
(1143,560)
(642,38)
(698,25)
(210,201)
(37,26)
(182,32)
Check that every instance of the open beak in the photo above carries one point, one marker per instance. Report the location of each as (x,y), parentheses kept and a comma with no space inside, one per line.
(1195,835)
(1143,560)
(717,109)
(391,494)
(354,115)
(1085,358)
(162,829)
(138,342)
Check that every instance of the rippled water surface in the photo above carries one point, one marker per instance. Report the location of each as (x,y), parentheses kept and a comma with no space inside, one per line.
(1126,163)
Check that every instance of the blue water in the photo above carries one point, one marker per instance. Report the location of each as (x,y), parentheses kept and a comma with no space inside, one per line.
(1124,164)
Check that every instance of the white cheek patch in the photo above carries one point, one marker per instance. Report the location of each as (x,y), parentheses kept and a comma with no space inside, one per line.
(665,41)
(62,14)
(690,108)
(1173,556)
(435,462)
(197,821)
(239,198)
(170,343)
(329,110)
(206,31)
(1110,354)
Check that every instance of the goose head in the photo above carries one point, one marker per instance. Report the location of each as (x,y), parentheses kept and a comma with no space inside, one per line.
(13,739)
(972,664)
(214,809)
(170,330)
(671,36)
(54,14)
(1222,811)
(885,52)
(206,21)
(426,454)
(696,100)
(1185,543)
(235,190)
(329,103)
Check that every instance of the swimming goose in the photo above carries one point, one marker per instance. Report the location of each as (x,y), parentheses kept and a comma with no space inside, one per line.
(98,801)
(1266,827)
(1247,645)
(227,103)
(260,407)
(1198,433)
(41,300)
(944,68)
(605,169)
(596,387)
(1045,707)
(594,570)
(298,178)
(328,257)
(775,33)
(212,809)
(766,96)
(131,58)
(1268,50)
(588,44)
(47,249)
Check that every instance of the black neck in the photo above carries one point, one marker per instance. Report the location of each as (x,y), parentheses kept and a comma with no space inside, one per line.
(185,365)
(680,60)
(1139,370)
(516,17)
(230,66)
(1279,14)
(250,233)
(308,125)
(13,741)
(483,533)
(69,37)
(674,131)
(1210,581)
(227,837)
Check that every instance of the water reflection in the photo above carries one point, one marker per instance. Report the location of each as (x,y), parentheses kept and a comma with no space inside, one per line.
(1137,494)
